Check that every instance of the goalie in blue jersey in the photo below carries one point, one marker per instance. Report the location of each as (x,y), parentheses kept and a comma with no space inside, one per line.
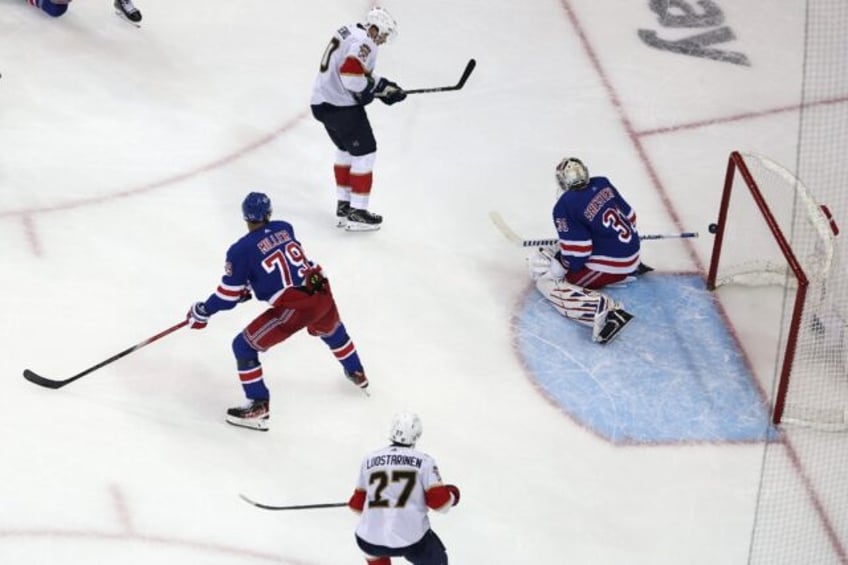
(598,246)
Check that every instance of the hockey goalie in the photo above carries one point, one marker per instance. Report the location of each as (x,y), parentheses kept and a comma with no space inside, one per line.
(598,246)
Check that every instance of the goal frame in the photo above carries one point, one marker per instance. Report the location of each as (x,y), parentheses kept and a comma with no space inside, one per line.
(736,164)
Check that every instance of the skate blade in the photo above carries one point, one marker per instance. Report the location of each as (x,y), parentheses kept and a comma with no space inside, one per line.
(356,226)
(249,423)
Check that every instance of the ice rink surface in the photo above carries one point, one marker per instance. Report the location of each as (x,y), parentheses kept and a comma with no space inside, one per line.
(125,154)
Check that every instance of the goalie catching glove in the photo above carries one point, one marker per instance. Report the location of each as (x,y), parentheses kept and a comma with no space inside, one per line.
(387,91)
(545,262)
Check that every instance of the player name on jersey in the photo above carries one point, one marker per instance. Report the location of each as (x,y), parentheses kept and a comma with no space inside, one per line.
(273,240)
(393,459)
(598,202)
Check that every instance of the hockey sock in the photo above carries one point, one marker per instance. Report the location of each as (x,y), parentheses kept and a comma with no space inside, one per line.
(249,369)
(343,348)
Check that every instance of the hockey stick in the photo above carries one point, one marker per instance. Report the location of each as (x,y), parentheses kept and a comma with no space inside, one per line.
(521,242)
(50,383)
(465,74)
(296,507)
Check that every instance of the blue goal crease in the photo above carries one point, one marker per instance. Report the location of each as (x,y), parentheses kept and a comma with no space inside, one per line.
(675,374)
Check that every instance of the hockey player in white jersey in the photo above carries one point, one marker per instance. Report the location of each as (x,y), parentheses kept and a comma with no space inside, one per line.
(345,84)
(397,486)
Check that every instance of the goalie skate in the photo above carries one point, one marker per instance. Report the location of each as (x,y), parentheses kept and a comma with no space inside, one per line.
(363,220)
(254,415)
(613,323)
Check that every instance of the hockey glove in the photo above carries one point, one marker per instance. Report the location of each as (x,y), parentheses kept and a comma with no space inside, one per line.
(245,294)
(197,316)
(367,95)
(540,262)
(314,280)
(389,92)
(454,490)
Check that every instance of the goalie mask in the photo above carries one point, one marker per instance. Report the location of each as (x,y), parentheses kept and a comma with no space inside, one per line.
(384,22)
(572,174)
(406,429)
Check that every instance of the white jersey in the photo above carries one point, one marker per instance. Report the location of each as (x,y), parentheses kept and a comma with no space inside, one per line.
(348,60)
(396,480)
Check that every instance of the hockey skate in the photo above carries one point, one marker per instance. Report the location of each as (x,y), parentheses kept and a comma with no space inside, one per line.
(127,10)
(358,378)
(342,210)
(614,322)
(254,415)
(363,220)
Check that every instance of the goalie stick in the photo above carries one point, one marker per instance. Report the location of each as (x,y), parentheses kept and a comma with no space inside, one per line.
(50,383)
(295,507)
(521,242)
(465,74)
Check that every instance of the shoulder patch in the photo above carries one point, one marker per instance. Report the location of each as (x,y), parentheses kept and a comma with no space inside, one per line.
(364,52)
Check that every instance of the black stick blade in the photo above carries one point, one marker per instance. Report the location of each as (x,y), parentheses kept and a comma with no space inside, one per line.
(41,381)
(466,73)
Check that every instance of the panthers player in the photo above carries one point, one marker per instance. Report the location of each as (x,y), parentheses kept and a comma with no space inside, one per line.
(269,261)
(598,246)
(397,486)
(345,84)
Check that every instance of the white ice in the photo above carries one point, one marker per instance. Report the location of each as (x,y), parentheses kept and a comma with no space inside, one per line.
(124,156)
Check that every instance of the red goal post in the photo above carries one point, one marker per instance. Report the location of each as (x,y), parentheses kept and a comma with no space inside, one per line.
(772,232)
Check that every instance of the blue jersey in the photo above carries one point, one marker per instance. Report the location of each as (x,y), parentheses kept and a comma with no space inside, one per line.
(267,261)
(597,229)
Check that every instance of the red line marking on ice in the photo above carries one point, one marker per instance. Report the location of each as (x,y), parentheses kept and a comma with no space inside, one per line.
(27,214)
(742,117)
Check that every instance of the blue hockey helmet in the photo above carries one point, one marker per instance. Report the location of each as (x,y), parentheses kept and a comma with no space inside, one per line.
(256,207)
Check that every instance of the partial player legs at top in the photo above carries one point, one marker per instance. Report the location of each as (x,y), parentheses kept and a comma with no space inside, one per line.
(127,9)
(53,8)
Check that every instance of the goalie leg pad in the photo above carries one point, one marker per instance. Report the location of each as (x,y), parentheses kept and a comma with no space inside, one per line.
(573,302)
(591,308)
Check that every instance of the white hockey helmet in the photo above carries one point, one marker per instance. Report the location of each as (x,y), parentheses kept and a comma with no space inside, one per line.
(384,22)
(406,429)
(572,174)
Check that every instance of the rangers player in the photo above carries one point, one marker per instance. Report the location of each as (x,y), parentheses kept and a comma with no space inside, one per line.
(56,8)
(269,261)
(345,84)
(598,246)
(397,486)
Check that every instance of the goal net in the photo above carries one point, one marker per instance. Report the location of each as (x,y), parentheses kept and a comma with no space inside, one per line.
(771,232)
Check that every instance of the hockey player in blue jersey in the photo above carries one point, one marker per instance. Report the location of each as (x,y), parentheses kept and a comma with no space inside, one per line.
(598,246)
(56,8)
(270,263)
